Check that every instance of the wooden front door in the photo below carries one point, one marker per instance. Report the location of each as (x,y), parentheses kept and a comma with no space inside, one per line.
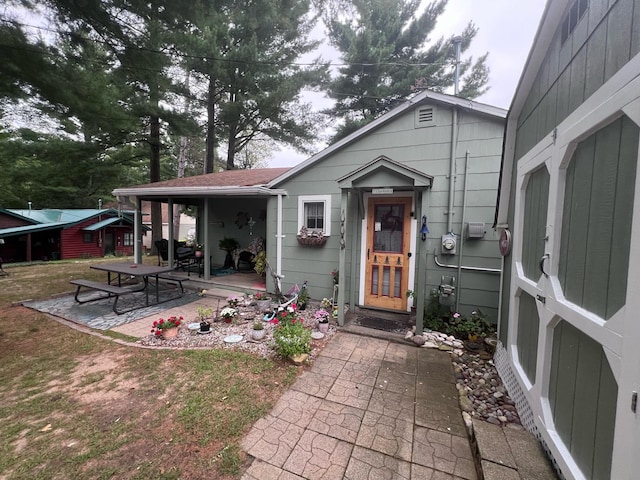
(387,255)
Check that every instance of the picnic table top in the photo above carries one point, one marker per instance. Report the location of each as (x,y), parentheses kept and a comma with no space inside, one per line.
(139,270)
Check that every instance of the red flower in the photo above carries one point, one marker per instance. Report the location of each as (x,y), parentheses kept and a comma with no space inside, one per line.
(274,321)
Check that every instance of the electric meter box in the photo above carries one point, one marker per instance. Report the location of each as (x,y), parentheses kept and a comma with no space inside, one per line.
(448,244)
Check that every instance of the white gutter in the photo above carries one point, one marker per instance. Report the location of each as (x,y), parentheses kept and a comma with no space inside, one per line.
(196,191)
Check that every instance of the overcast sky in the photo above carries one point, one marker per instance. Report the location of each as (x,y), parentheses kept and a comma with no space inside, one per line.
(505,29)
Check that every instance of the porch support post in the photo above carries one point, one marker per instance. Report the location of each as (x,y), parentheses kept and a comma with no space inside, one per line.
(137,231)
(355,204)
(344,204)
(205,227)
(170,232)
(421,268)
(29,255)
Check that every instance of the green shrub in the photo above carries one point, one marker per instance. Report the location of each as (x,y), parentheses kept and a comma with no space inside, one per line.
(292,338)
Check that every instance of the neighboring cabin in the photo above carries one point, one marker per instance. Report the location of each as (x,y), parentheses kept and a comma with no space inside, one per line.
(54,234)
(569,327)
(431,164)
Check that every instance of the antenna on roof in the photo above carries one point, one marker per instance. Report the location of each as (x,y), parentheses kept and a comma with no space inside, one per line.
(99,204)
(29,203)
(457,41)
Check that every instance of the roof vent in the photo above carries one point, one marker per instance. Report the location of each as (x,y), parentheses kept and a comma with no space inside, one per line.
(425,117)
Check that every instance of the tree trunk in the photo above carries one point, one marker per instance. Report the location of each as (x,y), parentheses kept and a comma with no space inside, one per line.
(182,159)
(211,128)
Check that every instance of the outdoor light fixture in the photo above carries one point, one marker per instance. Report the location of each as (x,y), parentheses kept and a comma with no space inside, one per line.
(424,230)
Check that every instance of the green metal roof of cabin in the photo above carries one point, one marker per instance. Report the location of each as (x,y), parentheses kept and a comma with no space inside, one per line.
(55,215)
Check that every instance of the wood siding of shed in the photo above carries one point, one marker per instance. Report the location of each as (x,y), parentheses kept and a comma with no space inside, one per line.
(597,219)
(603,41)
(73,246)
(582,396)
(424,149)
(527,338)
(535,222)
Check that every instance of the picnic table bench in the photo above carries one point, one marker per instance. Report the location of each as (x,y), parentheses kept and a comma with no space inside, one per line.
(111,290)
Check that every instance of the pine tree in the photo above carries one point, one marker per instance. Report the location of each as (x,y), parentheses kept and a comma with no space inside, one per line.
(384,44)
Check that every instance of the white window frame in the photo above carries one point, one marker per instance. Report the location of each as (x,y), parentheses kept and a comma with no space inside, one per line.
(326,199)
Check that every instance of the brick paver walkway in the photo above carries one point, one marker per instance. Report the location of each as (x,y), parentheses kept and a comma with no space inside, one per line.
(368,408)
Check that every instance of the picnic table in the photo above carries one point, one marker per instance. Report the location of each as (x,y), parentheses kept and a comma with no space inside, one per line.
(125,270)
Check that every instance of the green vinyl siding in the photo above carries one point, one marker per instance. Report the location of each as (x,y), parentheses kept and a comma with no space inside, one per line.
(527,341)
(596,224)
(535,220)
(605,38)
(582,389)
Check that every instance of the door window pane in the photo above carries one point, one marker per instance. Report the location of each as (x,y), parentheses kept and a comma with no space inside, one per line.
(388,226)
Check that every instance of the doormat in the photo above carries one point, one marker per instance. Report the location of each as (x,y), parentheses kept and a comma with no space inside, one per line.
(384,324)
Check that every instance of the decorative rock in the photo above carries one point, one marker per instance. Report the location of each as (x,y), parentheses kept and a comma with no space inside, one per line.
(430,345)
(445,348)
(418,340)
(408,335)
(502,418)
(465,404)
(498,395)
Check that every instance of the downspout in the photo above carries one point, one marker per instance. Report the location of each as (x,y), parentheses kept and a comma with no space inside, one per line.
(279,237)
(452,169)
(464,209)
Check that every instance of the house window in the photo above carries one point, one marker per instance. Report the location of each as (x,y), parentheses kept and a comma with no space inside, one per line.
(87,237)
(570,21)
(127,239)
(314,212)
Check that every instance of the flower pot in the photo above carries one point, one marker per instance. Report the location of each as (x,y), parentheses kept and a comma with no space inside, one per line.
(323,327)
(258,334)
(170,333)
(299,359)
(263,305)
(227,319)
(198,253)
(205,327)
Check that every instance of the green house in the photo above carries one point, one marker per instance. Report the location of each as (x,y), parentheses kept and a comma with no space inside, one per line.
(569,216)
(403,204)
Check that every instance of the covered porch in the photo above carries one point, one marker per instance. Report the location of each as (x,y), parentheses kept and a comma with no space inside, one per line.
(230,208)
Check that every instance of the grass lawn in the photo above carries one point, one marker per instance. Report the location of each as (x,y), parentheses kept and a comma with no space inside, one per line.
(74,405)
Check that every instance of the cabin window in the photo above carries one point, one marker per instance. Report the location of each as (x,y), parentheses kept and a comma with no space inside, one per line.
(570,21)
(314,213)
(87,237)
(127,239)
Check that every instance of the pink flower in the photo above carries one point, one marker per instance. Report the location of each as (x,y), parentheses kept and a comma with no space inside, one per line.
(456,315)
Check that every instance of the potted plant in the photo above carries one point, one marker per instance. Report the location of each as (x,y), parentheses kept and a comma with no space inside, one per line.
(303,297)
(258,332)
(233,301)
(228,314)
(203,314)
(260,265)
(263,301)
(166,328)
(198,249)
(322,316)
